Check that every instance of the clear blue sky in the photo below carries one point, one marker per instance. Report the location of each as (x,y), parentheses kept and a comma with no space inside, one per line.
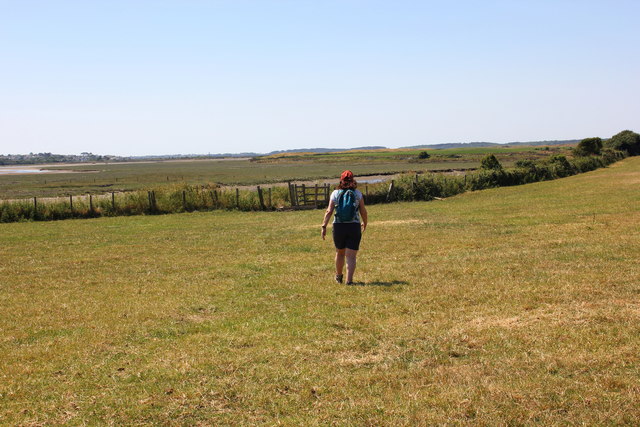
(157,77)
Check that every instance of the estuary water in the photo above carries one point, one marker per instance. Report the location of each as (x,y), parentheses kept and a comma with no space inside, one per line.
(9,171)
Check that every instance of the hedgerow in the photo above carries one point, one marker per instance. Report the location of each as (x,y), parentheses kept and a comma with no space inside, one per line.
(416,187)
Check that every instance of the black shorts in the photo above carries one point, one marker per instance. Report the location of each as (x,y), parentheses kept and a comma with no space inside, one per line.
(347,235)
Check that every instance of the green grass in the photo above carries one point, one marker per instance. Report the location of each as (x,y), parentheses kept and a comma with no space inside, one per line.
(103,178)
(517,305)
(449,156)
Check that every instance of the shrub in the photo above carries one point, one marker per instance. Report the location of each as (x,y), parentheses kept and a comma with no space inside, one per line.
(424,155)
(626,140)
(427,188)
(610,155)
(450,185)
(485,178)
(490,163)
(588,147)
(560,166)
(586,164)
(9,212)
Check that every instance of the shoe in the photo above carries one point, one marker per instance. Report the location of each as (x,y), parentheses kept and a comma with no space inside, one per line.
(350,283)
(339,278)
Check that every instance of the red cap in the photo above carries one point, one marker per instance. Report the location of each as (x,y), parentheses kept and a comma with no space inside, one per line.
(346,176)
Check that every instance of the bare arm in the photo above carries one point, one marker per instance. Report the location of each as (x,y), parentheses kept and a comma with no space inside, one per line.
(363,215)
(327,216)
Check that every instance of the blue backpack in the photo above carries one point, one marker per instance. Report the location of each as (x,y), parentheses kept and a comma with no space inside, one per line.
(347,206)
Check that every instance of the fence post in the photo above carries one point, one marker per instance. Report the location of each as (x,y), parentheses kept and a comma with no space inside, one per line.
(391,187)
(291,194)
(184,200)
(90,203)
(270,204)
(71,202)
(113,200)
(304,195)
(238,198)
(261,198)
(366,189)
(315,194)
(35,204)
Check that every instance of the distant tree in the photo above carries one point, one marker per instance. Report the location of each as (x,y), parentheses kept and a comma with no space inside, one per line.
(588,147)
(424,155)
(490,163)
(626,140)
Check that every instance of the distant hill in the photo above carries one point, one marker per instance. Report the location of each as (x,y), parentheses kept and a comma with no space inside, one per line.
(322,150)
(251,154)
(536,143)
(493,144)
(433,147)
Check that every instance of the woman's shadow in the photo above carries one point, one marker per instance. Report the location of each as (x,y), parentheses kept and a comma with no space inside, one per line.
(381,283)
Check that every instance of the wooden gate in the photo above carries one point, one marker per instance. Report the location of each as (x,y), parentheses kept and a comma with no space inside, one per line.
(309,197)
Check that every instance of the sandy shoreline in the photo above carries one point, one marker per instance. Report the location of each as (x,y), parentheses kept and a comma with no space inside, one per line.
(36,171)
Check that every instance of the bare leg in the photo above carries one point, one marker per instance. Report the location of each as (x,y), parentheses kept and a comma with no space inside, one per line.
(339,261)
(351,264)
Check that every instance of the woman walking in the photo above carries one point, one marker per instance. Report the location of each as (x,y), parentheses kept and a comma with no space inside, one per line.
(349,223)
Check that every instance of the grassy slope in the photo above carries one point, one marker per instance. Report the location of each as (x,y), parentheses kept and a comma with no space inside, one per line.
(396,154)
(513,305)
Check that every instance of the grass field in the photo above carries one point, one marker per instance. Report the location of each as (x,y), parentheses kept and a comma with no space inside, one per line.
(517,305)
(102,178)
